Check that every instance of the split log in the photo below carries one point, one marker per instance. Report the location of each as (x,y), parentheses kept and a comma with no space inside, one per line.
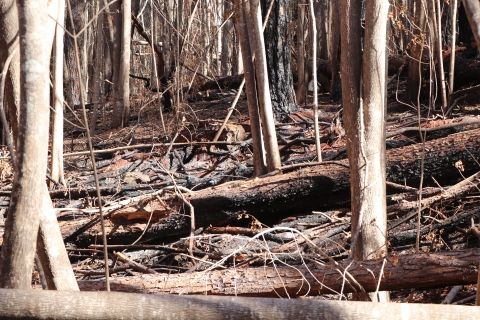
(31,304)
(423,271)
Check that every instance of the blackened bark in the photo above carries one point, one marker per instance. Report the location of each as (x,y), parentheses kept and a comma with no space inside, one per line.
(277,45)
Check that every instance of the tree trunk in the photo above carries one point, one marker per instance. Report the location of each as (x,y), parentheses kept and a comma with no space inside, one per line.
(414,78)
(259,161)
(98,71)
(121,112)
(266,112)
(472,9)
(422,271)
(367,161)
(74,77)
(56,167)
(336,85)
(23,304)
(21,228)
(302,75)
(8,45)
(277,46)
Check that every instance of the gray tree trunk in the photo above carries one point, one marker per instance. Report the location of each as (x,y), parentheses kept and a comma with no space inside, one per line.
(122,93)
(277,46)
(73,76)
(302,75)
(98,72)
(56,167)
(21,227)
(33,304)
(265,101)
(8,44)
(259,161)
(364,114)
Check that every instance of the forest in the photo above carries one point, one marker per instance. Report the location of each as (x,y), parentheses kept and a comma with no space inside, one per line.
(212,159)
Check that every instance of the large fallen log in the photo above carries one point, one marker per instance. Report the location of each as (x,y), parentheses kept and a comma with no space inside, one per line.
(312,188)
(31,304)
(318,186)
(421,271)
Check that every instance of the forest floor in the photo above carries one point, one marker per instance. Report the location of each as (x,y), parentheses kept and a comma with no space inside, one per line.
(148,170)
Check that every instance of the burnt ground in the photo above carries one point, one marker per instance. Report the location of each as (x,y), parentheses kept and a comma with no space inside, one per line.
(144,158)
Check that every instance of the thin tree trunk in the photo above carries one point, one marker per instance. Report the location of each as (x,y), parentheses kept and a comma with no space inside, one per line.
(369,208)
(453,10)
(363,98)
(56,167)
(266,111)
(115,9)
(122,101)
(414,77)
(335,49)
(315,86)
(302,87)
(98,72)
(8,45)
(259,161)
(21,228)
(438,46)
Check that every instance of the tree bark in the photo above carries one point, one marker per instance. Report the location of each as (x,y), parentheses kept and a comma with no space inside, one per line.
(23,304)
(259,161)
(121,113)
(74,77)
(472,9)
(277,48)
(414,79)
(302,75)
(255,33)
(22,222)
(98,71)
(56,167)
(423,271)
(8,44)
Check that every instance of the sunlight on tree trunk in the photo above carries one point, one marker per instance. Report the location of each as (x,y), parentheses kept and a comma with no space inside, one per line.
(363,84)
(21,228)
(56,167)
(266,112)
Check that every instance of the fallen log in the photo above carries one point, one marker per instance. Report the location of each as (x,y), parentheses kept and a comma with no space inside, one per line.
(423,271)
(32,304)
(312,188)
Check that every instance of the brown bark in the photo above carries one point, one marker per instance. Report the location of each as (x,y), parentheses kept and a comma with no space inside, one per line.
(23,304)
(421,271)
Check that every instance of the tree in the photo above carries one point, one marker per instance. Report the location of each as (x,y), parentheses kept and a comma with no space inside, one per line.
(414,79)
(264,98)
(30,205)
(8,46)
(56,167)
(363,88)
(277,46)
(122,81)
(23,220)
(259,161)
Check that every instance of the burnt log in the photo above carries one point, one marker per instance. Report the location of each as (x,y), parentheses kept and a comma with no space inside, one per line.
(318,186)
(422,271)
(312,188)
